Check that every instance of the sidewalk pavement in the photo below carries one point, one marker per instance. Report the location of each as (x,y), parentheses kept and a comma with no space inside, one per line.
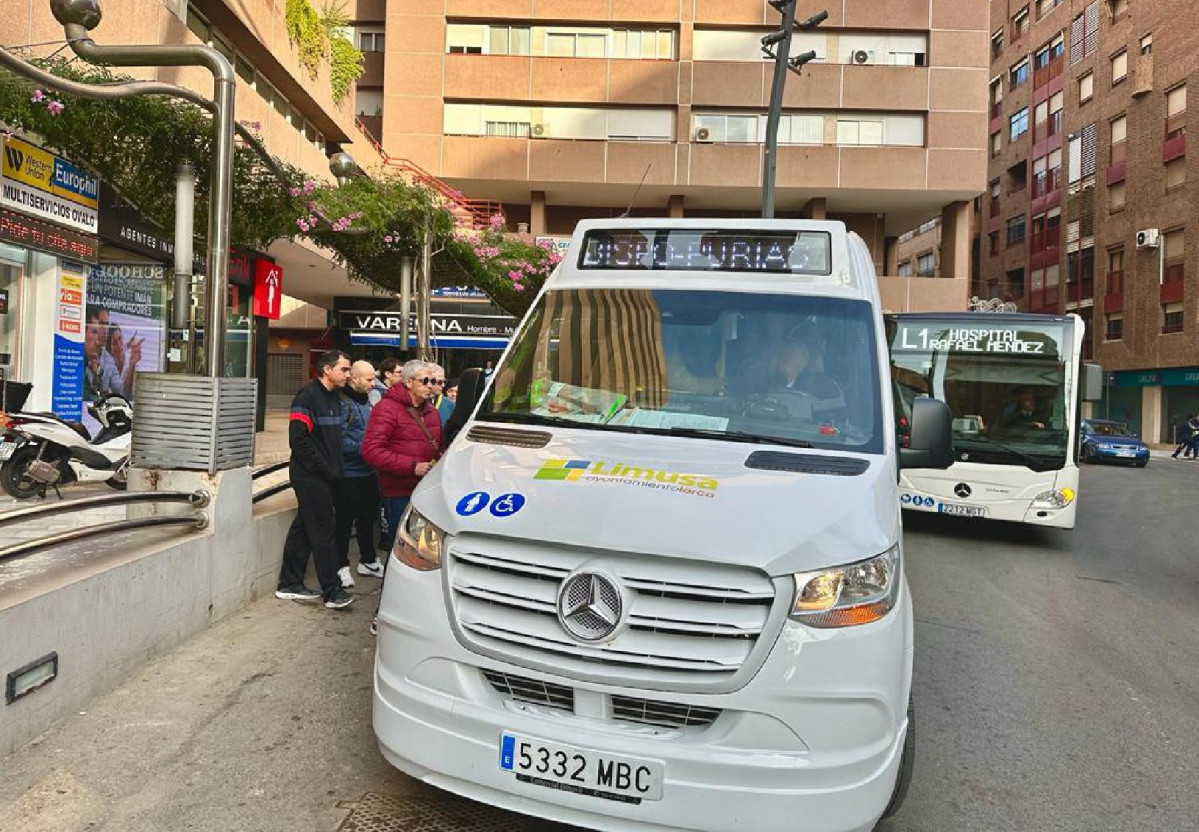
(261,723)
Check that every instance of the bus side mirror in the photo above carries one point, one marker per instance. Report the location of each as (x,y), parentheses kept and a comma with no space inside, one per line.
(1092,382)
(930,443)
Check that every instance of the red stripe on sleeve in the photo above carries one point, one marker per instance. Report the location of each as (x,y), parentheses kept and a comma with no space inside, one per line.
(302,417)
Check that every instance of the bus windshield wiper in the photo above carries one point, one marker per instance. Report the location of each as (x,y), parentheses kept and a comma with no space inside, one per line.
(737,436)
(527,418)
(1029,460)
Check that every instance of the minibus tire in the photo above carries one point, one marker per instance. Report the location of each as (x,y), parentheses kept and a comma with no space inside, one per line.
(907,764)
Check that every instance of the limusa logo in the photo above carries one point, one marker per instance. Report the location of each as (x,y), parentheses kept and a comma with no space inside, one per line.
(587,470)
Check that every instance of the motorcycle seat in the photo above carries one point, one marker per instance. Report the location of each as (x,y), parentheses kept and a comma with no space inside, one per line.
(78,427)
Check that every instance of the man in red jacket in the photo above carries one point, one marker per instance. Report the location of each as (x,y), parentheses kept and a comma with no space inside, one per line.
(403,439)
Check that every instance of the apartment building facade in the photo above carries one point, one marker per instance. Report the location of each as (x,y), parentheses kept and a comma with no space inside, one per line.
(589,108)
(1092,201)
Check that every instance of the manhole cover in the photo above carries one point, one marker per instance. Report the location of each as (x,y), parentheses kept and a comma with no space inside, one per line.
(439,813)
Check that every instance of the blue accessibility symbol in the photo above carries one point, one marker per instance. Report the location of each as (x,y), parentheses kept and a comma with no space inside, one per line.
(506,505)
(473,503)
(905,498)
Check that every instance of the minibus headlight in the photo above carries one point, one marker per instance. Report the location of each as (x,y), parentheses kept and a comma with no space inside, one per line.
(846,596)
(1057,498)
(418,542)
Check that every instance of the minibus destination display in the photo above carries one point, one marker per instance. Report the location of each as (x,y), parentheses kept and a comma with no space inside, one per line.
(697,250)
(920,337)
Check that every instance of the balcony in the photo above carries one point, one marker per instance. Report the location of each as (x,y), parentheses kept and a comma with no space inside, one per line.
(1045,240)
(1046,182)
(1044,74)
(1173,285)
(1175,144)
(1054,125)
(996,109)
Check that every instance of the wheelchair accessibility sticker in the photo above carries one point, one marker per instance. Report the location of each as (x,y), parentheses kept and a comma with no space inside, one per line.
(504,505)
(917,501)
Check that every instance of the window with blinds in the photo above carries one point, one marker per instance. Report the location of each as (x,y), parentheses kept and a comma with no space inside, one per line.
(1084,33)
(1119,128)
(1119,66)
(1176,111)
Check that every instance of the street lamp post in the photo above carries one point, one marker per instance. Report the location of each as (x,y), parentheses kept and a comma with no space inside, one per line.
(782,63)
(78,17)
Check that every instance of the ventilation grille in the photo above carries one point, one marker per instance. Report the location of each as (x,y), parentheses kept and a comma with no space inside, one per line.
(664,714)
(507,436)
(549,695)
(838,466)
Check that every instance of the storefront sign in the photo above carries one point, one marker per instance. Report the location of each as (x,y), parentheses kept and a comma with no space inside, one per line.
(69,349)
(268,289)
(459,293)
(32,233)
(1170,377)
(42,184)
(442,323)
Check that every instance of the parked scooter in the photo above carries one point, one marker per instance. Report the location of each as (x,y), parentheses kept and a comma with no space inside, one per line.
(50,451)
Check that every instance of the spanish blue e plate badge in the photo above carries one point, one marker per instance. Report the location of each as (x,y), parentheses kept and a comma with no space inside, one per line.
(504,505)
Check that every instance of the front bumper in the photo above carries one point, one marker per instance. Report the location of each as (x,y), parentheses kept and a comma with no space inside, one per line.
(813,742)
(1113,455)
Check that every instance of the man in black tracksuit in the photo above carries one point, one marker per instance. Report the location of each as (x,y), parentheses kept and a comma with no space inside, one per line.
(314,434)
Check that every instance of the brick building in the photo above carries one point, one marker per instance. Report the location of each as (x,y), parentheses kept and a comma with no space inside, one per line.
(1092,202)
(568,110)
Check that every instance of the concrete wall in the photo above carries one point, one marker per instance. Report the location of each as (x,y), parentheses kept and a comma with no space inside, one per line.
(127,599)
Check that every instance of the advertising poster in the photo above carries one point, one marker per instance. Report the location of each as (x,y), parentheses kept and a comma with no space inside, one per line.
(66,397)
(126,328)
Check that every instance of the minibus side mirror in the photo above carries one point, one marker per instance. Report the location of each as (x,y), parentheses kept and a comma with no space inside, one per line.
(1092,382)
(930,442)
(471,385)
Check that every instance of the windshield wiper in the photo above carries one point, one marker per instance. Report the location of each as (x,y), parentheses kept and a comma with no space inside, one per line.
(533,419)
(737,436)
(1029,460)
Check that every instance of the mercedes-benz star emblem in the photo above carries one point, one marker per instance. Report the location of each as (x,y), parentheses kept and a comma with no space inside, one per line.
(589,606)
(962,490)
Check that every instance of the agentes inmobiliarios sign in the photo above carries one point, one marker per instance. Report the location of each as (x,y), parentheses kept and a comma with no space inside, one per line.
(40,184)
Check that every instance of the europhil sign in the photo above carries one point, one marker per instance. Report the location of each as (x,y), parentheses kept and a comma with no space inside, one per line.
(41,184)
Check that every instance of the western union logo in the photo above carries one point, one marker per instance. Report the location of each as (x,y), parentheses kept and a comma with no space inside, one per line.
(30,165)
(573,470)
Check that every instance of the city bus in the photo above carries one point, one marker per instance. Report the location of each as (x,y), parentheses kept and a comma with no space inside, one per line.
(1014,384)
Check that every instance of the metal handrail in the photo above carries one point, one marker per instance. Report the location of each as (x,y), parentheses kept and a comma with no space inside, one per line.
(270,469)
(198,499)
(31,546)
(271,491)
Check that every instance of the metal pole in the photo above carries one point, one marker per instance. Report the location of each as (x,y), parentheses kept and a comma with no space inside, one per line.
(774,115)
(78,17)
(185,198)
(406,265)
(422,299)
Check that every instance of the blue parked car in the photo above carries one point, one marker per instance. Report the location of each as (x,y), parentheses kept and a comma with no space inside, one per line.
(1106,441)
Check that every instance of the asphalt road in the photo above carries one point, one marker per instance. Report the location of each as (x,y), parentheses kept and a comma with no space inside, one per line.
(1057,688)
(1057,672)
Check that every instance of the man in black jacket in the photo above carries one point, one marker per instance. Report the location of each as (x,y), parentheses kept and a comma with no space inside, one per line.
(314,434)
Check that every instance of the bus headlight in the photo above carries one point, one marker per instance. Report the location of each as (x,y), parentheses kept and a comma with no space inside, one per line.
(1057,498)
(418,542)
(846,596)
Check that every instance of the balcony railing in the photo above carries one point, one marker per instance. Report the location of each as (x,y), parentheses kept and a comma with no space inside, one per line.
(1119,151)
(1042,240)
(1046,182)
(1043,75)
(1053,125)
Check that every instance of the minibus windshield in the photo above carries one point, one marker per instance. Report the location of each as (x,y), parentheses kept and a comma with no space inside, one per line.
(783,368)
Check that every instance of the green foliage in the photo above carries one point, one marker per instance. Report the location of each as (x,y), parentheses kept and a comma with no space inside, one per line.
(134,144)
(346,66)
(307,34)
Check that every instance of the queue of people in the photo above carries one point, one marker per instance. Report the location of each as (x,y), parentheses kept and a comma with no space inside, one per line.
(360,439)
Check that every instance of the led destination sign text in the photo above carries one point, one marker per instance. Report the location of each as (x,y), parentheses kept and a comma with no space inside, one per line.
(802,252)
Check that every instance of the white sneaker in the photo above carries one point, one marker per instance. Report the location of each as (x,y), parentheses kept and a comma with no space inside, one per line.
(347,580)
(375,570)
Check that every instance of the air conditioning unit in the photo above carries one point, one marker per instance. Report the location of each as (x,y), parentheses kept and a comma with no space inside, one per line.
(703,134)
(862,56)
(1148,238)
(537,130)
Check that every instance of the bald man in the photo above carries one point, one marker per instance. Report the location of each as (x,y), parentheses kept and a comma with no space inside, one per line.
(356,494)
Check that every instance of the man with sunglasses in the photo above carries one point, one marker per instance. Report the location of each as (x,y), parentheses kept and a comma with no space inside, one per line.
(403,439)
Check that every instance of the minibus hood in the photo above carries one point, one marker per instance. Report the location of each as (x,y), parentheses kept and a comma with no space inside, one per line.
(692,498)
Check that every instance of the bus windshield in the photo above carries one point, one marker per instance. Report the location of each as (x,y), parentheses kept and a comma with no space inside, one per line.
(1005,381)
(789,369)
